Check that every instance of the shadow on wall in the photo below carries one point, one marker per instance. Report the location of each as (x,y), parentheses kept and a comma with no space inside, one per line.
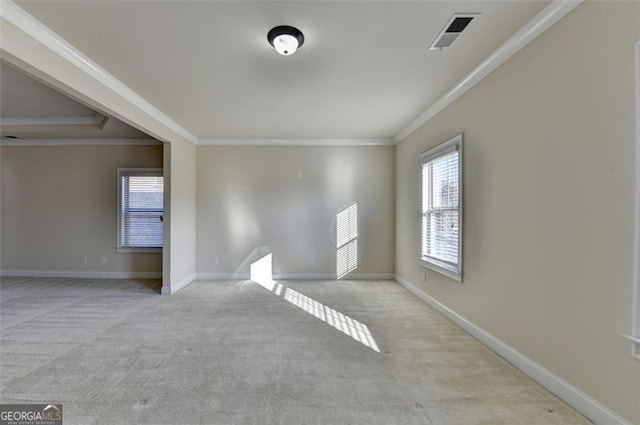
(262,274)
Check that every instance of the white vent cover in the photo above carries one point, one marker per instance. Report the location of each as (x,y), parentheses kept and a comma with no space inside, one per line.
(451,31)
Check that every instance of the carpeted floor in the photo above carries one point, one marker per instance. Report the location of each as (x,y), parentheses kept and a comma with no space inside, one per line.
(346,352)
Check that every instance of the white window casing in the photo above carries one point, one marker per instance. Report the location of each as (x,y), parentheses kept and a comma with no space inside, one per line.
(441,208)
(140,210)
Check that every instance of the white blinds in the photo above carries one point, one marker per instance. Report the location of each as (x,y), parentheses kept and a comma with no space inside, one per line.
(346,225)
(440,208)
(347,240)
(141,211)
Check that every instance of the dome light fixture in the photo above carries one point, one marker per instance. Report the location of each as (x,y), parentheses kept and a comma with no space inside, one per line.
(285,39)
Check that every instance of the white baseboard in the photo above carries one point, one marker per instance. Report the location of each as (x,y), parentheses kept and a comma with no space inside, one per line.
(296,276)
(168,289)
(332,276)
(583,403)
(85,274)
(369,276)
(304,276)
(222,276)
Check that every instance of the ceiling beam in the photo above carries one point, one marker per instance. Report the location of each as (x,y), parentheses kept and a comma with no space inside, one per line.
(31,46)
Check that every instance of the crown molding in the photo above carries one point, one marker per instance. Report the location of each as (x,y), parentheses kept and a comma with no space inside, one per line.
(551,14)
(79,142)
(17,16)
(296,142)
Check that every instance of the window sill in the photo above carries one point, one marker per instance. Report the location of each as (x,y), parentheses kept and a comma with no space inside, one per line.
(636,345)
(133,250)
(442,268)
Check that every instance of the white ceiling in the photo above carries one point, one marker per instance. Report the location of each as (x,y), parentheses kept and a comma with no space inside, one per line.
(365,70)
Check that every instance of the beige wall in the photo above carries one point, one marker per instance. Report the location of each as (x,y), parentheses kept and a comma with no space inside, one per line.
(549,202)
(250,197)
(180,207)
(59,204)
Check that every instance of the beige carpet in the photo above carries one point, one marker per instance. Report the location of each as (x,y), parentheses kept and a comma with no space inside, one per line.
(347,352)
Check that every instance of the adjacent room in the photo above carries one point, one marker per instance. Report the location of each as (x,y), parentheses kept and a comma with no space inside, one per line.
(307,212)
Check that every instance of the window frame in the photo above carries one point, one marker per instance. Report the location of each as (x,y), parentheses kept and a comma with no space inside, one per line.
(147,171)
(454,144)
(346,245)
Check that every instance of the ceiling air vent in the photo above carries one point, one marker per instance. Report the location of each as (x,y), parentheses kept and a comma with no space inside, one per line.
(452,30)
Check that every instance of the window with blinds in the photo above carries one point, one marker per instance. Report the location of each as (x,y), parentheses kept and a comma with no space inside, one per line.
(441,212)
(347,240)
(140,208)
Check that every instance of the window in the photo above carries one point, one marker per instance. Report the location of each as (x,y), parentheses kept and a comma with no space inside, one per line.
(441,208)
(347,240)
(140,209)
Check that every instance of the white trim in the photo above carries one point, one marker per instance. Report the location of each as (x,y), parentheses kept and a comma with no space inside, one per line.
(591,408)
(141,171)
(441,267)
(37,30)
(172,289)
(137,171)
(551,14)
(306,276)
(635,324)
(632,338)
(139,250)
(455,144)
(296,142)
(79,142)
(296,276)
(166,206)
(40,121)
(222,276)
(332,276)
(85,274)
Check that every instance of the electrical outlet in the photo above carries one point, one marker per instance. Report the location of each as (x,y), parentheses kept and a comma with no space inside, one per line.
(84,259)
(299,175)
(216,260)
(313,261)
(104,260)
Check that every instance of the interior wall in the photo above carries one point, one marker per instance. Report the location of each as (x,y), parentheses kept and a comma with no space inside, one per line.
(180,208)
(548,202)
(59,205)
(283,199)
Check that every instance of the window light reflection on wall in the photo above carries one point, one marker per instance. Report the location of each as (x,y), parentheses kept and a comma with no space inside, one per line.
(346,240)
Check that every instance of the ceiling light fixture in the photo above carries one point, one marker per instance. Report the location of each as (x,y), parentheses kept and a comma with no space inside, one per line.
(285,39)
